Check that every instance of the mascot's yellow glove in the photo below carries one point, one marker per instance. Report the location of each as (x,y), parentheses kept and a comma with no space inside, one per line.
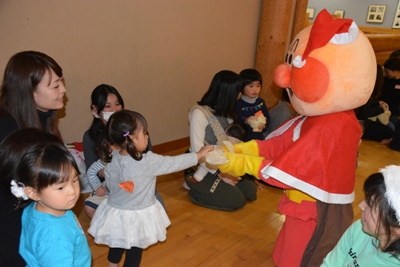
(240,164)
(247,148)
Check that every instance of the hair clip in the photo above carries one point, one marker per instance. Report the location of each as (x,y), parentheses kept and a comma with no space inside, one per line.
(17,189)
(126,134)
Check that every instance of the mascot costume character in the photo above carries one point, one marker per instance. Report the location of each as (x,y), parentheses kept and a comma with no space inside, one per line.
(329,70)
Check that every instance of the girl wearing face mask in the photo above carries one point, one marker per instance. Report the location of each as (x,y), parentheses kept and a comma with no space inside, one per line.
(105,101)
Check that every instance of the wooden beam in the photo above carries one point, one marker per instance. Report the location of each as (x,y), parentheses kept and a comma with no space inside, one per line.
(300,20)
(273,38)
(368,29)
(384,42)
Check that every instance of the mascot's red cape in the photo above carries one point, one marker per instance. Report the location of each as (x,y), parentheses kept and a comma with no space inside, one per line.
(329,70)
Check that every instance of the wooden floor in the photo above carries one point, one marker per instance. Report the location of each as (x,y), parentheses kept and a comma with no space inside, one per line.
(205,237)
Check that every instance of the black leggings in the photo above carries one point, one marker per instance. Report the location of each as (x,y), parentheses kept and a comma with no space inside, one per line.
(133,256)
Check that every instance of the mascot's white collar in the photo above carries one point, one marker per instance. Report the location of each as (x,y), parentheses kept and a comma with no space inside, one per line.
(287,125)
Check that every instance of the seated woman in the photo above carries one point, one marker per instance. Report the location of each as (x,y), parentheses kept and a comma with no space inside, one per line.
(375,130)
(375,114)
(390,88)
(208,187)
(105,101)
(374,240)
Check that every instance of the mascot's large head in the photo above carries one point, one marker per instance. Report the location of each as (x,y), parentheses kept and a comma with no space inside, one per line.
(330,67)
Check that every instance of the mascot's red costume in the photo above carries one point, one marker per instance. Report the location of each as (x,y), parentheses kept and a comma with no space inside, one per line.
(330,69)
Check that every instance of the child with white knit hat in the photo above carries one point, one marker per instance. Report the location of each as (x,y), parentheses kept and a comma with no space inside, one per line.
(374,240)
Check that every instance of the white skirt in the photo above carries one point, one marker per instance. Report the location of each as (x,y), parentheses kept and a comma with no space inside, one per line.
(129,228)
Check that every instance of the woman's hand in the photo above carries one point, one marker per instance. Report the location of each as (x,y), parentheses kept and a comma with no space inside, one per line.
(203,151)
(101,191)
(384,105)
(229,179)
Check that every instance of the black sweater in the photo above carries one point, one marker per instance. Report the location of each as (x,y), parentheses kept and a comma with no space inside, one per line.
(10,220)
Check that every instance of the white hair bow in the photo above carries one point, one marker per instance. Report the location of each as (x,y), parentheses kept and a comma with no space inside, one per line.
(17,189)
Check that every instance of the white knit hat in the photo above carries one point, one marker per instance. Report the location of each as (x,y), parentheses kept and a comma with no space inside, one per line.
(391,175)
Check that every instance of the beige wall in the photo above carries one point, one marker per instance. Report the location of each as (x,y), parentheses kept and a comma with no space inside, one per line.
(160,54)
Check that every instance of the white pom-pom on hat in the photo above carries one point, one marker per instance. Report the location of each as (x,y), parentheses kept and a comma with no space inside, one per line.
(298,62)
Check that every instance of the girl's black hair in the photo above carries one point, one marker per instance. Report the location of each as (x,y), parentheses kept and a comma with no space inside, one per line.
(250,75)
(223,94)
(119,126)
(392,64)
(17,150)
(395,53)
(377,92)
(24,71)
(45,164)
(99,99)
(375,190)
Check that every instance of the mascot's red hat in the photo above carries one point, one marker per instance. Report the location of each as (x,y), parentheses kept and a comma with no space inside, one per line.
(327,29)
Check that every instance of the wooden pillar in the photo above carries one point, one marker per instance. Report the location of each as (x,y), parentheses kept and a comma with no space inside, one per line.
(299,17)
(278,19)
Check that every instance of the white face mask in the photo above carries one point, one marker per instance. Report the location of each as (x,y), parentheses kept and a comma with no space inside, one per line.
(107,115)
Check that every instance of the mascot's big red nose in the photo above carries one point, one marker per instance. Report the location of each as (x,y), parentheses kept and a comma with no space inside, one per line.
(282,76)
(309,89)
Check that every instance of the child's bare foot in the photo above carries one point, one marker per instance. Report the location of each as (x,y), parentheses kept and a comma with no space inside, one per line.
(259,185)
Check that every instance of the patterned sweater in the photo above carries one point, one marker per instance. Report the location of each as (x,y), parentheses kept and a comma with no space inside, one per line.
(245,109)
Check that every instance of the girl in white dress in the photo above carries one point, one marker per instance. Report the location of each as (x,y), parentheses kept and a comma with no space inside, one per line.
(132,219)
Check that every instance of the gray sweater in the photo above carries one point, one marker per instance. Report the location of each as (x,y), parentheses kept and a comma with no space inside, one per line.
(143,174)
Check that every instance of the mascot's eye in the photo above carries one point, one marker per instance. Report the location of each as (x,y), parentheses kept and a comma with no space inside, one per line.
(290,59)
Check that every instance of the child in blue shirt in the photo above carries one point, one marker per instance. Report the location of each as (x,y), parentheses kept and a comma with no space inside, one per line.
(51,234)
(250,105)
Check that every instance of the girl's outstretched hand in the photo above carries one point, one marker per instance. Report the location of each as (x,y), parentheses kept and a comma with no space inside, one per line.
(203,151)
